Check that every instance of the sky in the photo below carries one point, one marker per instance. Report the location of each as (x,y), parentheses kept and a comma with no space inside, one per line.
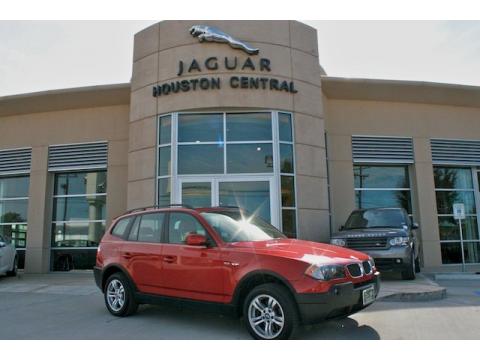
(46,55)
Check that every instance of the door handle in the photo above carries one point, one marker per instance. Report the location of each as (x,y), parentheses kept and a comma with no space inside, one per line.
(169,259)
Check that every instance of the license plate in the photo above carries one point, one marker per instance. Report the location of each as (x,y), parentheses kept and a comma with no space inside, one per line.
(368,295)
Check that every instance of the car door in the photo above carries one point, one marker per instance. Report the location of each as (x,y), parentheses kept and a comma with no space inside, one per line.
(193,272)
(142,251)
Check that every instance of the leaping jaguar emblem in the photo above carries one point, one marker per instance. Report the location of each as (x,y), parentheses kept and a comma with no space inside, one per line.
(212,34)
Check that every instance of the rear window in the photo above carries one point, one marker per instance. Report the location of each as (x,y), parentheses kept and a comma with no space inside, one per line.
(121,227)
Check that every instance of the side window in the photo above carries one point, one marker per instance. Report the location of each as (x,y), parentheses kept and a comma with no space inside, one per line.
(151,227)
(180,225)
(134,230)
(121,227)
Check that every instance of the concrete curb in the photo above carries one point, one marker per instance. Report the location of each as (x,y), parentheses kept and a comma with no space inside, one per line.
(421,289)
(457,276)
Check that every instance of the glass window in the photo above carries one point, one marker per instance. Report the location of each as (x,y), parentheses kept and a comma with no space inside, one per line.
(164,190)
(151,227)
(288,191)
(81,183)
(449,229)
(16,232)
(164,161)
(71,259)
(200,128)
(133,236)
(165,129)
(121,227)
(13,211)
(249,127)
(286,159)
(373,176)
(197,194)
(180,225)
(451,253)
(77,234)
(285,127)
(79,204)
(446,199)
(200,159)
(13,187)
(471,250)
(80,208)
(249,158)
(289,223)
(253,196)
(365,199)
(452,178)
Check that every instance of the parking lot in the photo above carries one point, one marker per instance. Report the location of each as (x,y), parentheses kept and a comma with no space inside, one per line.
(69,306)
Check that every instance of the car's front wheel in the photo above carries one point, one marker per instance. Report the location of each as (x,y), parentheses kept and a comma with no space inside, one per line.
(409,272)
(270,312)
(119,296)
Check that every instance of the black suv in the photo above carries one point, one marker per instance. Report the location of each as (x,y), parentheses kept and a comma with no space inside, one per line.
(386,234)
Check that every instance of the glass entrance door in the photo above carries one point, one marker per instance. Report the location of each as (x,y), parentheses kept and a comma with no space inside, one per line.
(253,195)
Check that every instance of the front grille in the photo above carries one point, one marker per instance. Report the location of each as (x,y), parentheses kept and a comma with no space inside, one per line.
(366,267)
(366,243)
(355,270)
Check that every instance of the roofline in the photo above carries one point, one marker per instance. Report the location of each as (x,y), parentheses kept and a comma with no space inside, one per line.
(65,99)
(401,91)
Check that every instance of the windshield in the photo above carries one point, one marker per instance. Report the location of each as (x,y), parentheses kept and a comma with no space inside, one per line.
(235,226)
(367,219)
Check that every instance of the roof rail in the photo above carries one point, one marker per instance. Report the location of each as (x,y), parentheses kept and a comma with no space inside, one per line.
(156,207)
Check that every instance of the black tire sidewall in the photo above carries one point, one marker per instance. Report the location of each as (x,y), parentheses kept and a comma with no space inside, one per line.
(13,272)
(130,305)
(282,295)
(409,272)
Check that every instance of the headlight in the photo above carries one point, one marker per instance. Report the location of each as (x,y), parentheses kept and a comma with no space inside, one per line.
(399,241)
(326,272)
(338,242)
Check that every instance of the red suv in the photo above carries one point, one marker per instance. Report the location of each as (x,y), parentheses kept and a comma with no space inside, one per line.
(226,259)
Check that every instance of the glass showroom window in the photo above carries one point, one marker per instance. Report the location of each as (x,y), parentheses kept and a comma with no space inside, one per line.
(382,186)
(13,212)
(78,224)
(218,158)
(455,185)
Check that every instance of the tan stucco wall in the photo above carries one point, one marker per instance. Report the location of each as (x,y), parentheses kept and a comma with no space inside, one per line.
(345,118)
(292,48)
(39,130)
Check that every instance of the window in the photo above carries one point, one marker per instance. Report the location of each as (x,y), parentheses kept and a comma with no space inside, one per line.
(455,185)
(150,229)
(78,219)
(133,236)
(382,186)
(180,225)
(121,227)
(13,212)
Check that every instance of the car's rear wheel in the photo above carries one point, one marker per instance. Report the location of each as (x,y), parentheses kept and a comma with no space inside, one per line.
(409,272)
(119,296)
(14,270)
(270,312)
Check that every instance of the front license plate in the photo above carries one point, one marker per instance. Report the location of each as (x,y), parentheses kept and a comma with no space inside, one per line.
(368,295)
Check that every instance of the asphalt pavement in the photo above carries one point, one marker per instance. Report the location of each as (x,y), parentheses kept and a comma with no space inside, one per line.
(69,306)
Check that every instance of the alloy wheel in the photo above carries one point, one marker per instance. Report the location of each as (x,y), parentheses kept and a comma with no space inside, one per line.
(266,316)
(115,295)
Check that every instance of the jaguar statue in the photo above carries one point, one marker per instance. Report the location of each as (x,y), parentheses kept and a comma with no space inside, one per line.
(212,34)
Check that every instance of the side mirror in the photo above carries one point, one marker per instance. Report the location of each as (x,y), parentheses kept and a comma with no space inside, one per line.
(415,226)
(196,240)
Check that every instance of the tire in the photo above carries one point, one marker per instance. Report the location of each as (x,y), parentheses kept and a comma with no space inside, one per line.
(270,304)
(417,265)
(14,270)
(409,272)
(119,302)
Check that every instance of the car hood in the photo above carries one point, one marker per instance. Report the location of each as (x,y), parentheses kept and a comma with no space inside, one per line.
(306,251)
(370,233)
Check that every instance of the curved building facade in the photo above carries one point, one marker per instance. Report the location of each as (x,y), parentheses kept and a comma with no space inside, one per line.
(237,113)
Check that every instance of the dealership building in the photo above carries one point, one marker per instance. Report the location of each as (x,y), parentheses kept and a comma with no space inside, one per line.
(238,113)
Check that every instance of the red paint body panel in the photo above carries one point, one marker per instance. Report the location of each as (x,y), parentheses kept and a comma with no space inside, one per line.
(213,273)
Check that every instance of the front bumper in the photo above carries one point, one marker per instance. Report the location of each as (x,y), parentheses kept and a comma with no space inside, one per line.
(340,301)
(394,258)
